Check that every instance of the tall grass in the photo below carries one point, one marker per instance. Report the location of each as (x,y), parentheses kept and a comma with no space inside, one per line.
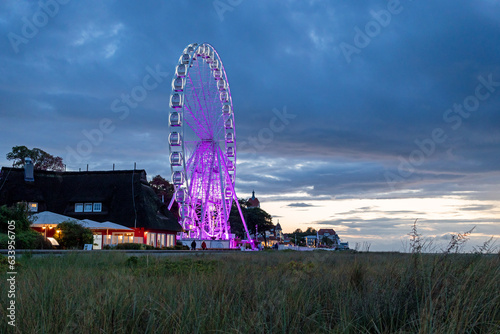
(266,292)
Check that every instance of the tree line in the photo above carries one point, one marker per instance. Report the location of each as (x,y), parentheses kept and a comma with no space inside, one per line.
(41,160)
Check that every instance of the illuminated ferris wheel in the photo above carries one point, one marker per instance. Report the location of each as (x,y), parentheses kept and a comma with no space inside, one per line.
(202,144)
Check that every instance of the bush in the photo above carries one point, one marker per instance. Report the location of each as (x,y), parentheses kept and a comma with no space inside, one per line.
(29,239)
(73,235)
(4,262)
(19,214)
(133,246)
(128,246)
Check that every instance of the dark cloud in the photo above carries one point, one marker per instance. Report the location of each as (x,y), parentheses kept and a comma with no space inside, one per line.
(477,208)
(299,205)
(355,126)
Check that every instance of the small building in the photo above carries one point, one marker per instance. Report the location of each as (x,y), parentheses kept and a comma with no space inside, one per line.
(330,234)
(311,240)
(276,233)
(334,238)
(120,197)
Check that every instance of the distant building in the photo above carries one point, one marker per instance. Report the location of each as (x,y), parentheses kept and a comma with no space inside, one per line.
(311,240)
(276,233)
(273,236)
(330,234)
(334,237)
(120,197)
(253,202)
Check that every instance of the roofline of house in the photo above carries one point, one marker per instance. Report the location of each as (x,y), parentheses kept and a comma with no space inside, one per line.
(37,171)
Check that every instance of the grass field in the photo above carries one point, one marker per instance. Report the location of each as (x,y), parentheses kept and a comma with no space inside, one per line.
(250,292)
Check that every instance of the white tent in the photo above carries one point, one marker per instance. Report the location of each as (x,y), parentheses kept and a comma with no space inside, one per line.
(93,225)
(50,219)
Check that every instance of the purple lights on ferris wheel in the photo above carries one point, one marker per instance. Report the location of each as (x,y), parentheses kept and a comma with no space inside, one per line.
(202,144)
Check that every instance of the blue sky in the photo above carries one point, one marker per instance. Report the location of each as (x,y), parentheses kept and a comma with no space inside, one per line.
(388,111)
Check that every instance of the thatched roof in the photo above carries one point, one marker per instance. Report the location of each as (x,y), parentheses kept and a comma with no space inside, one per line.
(126,197)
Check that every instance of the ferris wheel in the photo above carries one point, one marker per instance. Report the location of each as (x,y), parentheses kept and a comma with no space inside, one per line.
(202,144)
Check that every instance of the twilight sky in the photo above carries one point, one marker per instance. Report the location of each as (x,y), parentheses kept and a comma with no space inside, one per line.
(361,116)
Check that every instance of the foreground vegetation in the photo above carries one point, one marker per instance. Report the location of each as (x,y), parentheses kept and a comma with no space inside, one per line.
(278,292)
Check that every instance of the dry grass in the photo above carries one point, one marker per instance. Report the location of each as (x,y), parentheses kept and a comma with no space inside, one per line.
(266,292)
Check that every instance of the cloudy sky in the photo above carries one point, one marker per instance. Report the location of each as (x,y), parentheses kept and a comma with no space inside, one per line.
(362,115)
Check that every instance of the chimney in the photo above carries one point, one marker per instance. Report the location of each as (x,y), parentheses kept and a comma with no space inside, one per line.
(29,170)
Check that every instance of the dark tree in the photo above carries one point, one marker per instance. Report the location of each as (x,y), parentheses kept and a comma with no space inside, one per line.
(164,190)
(19,155)
(253,217)
(162,187)
(235,219)
(327,241)
(310,231)
(73,235)
(41,159)
(300,235)
(18,213)
(26,238)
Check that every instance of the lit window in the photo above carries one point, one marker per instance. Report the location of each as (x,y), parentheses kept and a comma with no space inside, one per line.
(97,207)
(78,207)
(87,207)
(33,207)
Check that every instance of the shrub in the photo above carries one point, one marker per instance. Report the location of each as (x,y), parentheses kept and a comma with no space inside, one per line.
(31,239)
(19,214)
(73,235)
(128,245)
(28,239)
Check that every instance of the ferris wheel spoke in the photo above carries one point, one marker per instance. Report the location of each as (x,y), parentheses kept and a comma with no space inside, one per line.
(207,110)
(216,114)
(191,108)
(199,129)
(195,90)
(219,134)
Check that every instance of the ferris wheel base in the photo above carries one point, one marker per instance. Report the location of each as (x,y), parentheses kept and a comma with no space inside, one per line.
(215,244)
